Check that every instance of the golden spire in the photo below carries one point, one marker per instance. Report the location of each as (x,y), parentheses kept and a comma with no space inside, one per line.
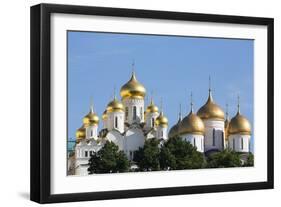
(161,120)
(152,108)
(238,104)
(191,103)
(226,111)
(210,98)
(180,117)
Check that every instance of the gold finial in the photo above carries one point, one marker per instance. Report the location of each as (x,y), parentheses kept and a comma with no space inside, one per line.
(191,103)
(161,105)
(210,90)
(114,92)
(226,110)
(91,105)
(238,104)
(151,98)
(180,113)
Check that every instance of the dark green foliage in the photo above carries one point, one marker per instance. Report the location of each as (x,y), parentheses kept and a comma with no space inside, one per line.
(178,154)
(250,160)
(224,159)
(108,160)
(147,157)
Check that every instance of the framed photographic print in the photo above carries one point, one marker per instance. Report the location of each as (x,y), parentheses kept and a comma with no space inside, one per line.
(133,103)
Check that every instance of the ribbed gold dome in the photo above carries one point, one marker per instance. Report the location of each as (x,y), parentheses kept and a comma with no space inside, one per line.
(91,118)
(174,131)
(192,124)
(104,115)
(114,106)
(152,108)
(133,89)
(211,110)
(80,133)
(239,125)
(161,120)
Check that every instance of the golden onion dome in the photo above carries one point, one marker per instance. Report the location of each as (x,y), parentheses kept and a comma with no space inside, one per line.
(91,118)
(133,89)
(80,133)
(161,120)
(211,110)
(239,125)
(114,106)
(174,131)
(152,108)
(104,115)
(192,124)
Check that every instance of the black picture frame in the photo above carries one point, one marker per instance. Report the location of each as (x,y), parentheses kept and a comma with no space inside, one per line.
(41,99)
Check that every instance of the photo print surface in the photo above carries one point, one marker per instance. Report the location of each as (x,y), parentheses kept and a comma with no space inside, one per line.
(141,103)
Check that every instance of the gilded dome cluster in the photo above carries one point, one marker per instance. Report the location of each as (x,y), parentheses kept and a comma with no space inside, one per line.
(194,123)
(133,89)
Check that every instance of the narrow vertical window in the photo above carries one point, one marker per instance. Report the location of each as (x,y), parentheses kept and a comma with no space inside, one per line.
(86,153)
(194,142)
(233,144)
(242,143)
(152,122)
(162,134)
(141,113)
(214,137)
(91,133)
(116,122)
(126,113)
(201,144)
(134,113)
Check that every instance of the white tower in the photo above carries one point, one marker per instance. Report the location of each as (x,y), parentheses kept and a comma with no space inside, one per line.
(213,118)
(192,129)
(162,125)
(151,115)
(115,115)
(133,93)
(239,132)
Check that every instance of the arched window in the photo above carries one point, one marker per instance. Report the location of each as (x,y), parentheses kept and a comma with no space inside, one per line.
(194,142)
(162,134)
(233,144)
(242,143)
(222,139)
(134,113)
(86,153)
(91,133)
(152,122)
(116,122)
(214,137)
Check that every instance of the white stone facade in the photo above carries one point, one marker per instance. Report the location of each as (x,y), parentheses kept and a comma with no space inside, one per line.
(214,135)
(134,110)
(239,143)
(196,140)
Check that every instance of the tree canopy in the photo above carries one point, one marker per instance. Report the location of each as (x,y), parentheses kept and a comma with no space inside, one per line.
(223,159)
(179,154)
(147,157)
(108,160)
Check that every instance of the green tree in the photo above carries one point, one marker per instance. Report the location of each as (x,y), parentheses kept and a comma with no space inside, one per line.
(250,160)
(224,159)
(147,157)
(108,160)
(178,154)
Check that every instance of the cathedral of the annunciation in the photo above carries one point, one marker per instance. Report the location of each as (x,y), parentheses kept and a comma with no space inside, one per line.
(128,123)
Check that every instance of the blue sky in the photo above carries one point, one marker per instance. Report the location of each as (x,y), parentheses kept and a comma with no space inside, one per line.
(170,66)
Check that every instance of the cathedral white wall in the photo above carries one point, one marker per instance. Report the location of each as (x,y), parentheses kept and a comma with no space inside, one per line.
(117,138)
(130,104)
(196,140)
(92,132)
(149,121)
(134,139)
(218,142)
(120,120)
(162,132)
(239,143)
